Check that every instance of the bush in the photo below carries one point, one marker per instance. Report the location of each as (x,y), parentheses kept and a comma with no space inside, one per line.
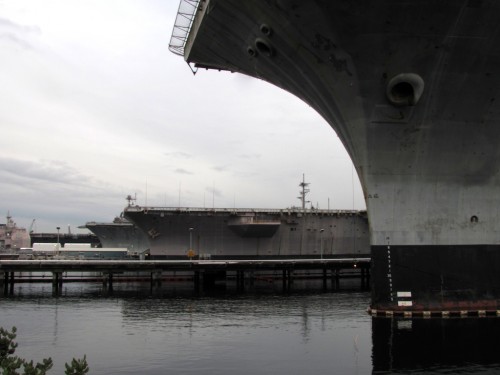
(11,364)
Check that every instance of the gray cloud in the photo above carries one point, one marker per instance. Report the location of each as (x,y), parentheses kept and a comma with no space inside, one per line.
(126,110)
(221,168)
(11,37)
(18,34)
(4,22)
(41,171)
(183,171)
(178,154)
(250,156)
(212,191)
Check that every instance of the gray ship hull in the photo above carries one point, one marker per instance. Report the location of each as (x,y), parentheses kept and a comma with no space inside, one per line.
(412,90)
(239,233)
(120,233)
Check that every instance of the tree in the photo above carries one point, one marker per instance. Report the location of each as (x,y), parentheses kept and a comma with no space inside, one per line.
(11,364)
(77,366)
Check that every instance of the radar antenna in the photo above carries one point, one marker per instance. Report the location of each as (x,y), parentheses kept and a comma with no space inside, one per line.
(303,192)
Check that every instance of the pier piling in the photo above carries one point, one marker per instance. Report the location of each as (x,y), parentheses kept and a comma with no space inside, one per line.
(335,279)
(324,278)
(107,280)
(240,280)
(196,279)
(156,278)
(57,280)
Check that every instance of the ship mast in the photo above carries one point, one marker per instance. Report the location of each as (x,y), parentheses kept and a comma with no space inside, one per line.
(10,222)
(303,192)
(130,200)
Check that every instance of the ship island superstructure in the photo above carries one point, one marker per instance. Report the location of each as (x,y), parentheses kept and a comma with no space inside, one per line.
(12,237)
(412,90)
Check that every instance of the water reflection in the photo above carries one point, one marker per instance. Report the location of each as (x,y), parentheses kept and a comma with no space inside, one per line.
(137,329)
(436,346)
(173,329)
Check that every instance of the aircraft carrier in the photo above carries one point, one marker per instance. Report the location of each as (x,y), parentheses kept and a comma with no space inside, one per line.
(231,233)
(412,90)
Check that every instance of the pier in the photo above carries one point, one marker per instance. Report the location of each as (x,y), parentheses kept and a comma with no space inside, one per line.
(204,273)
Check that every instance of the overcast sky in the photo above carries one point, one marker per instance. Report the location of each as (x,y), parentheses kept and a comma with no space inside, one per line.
(93,107)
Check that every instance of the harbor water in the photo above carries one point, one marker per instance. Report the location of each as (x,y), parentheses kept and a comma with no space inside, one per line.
(171,329)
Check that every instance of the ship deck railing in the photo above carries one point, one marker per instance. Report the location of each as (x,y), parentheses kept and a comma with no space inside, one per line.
(182,26)
(236,211)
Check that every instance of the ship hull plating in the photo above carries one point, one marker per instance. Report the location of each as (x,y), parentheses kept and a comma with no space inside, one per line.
(120,234)
(251,234)
(411,89)
(430,278)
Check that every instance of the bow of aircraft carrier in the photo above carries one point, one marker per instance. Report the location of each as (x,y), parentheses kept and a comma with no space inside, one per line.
(411,88)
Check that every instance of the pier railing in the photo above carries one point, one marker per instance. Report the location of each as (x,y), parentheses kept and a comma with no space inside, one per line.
(182,25)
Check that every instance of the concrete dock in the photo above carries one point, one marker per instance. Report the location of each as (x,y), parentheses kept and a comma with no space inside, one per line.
(203,272)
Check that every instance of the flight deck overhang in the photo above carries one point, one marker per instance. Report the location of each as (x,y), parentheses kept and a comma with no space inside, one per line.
(409,89)
(412,90)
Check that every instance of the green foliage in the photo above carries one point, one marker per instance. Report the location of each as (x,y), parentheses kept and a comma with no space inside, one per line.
(11,364)
(77,366)
(39,368)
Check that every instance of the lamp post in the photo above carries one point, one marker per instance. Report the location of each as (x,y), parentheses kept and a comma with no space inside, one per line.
(190,251)
(321,242)
(58,239)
